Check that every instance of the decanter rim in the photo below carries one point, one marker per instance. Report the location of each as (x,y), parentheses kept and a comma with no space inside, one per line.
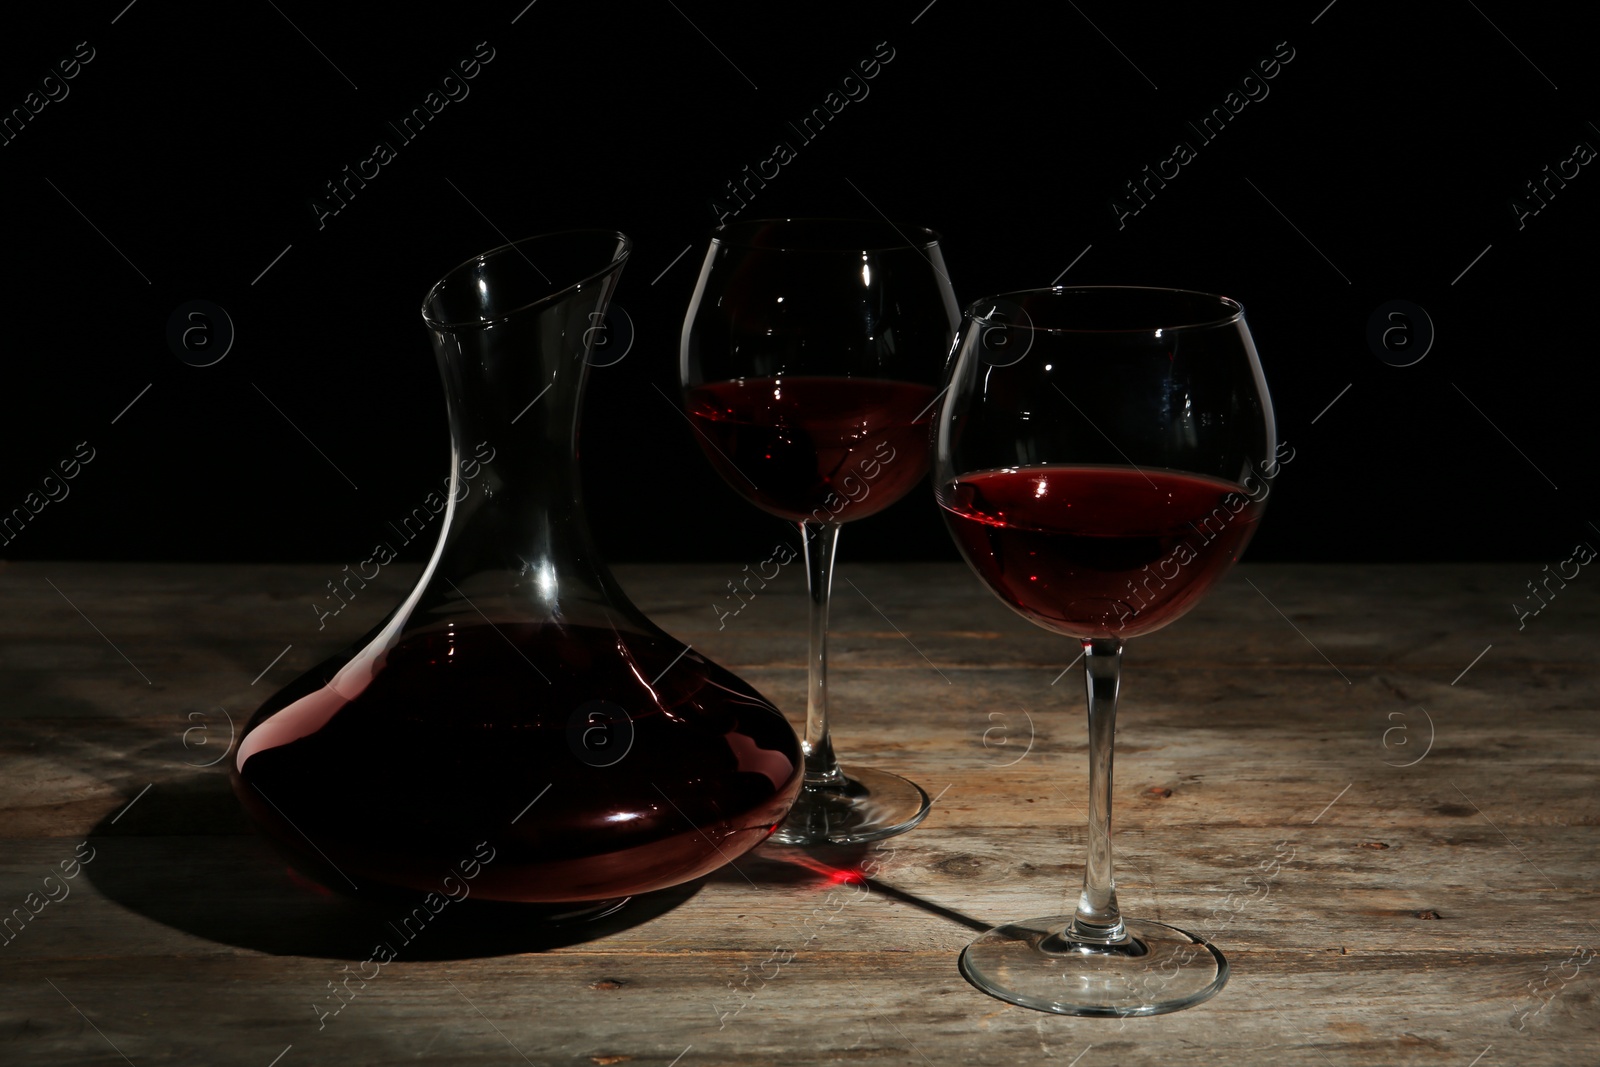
(624,250)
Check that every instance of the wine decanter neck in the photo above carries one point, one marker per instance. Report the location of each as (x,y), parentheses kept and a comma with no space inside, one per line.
(515,530)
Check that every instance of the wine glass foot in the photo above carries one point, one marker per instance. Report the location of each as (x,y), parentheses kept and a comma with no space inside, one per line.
(866,805)
(1032,964)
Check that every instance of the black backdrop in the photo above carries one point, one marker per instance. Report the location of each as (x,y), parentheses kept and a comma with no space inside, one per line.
(182,159)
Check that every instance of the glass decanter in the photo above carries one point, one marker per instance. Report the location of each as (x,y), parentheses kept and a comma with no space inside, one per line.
(516,716)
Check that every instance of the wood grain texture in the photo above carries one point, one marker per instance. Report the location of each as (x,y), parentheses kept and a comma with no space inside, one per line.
(1318,709)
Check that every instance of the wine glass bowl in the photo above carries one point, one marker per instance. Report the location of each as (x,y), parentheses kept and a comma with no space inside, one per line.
(810,362)
(1098,469)
(1102,457)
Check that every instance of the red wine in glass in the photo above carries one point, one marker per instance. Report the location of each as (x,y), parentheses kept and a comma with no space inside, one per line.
(844,447)
(1098,551)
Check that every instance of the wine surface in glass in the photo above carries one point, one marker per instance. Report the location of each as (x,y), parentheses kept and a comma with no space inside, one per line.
(1098,551)
(459,731)
(819,449)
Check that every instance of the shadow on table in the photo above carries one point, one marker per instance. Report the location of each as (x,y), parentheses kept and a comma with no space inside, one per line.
(826,867)
(232,888)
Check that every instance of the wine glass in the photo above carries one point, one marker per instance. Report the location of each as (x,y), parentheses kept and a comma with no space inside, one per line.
(1102,456)
(810,359)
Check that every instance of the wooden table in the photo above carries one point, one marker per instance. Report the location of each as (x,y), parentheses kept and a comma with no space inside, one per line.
(1437,909)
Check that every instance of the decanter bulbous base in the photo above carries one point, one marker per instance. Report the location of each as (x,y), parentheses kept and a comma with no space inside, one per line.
(535,762)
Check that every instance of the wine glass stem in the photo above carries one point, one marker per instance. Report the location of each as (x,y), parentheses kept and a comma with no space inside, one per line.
(1097,917)
(820,539)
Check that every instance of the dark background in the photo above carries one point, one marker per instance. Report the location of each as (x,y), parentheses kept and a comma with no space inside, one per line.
(196,138)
